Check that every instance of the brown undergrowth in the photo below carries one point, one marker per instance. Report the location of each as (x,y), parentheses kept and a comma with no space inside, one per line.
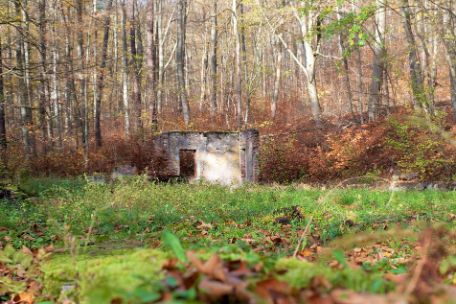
(292,150)
(402,142)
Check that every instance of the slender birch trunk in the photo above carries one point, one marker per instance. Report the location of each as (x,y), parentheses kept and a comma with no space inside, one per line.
(237,65)
(124,55)
(54,90)
(277,50)
(83,81)
(204,69)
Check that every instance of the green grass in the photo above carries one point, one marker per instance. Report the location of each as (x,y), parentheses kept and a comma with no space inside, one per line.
(139,210)
(107,231)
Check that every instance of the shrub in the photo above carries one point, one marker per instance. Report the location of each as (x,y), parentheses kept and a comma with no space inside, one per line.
(282,160)
(416,147)
(69,161)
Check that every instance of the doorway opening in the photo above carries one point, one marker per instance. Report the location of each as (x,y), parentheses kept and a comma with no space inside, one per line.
(187,164)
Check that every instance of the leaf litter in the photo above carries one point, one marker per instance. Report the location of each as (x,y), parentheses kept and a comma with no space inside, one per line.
(237,281)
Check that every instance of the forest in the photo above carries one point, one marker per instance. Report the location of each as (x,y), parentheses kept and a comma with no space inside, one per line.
(329,127)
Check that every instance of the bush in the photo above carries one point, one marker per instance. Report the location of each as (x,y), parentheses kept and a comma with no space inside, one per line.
(282,160)
(70,161)
(418,146)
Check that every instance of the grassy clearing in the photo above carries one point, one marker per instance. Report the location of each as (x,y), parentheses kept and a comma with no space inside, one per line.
(110,235)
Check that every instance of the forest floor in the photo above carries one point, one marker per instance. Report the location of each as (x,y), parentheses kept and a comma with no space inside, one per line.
(72,241)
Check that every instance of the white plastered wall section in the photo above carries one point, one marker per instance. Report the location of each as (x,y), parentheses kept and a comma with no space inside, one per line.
(220,157)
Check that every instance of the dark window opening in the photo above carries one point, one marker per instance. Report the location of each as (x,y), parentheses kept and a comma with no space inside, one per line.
(187,163)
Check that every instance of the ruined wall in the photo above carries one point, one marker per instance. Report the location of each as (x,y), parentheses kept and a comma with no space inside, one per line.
(249,145)
(220,157)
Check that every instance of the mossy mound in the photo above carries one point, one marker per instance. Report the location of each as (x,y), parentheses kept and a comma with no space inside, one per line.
(100,278)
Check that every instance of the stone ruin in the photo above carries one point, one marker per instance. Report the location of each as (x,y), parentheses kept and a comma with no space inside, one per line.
(216,157)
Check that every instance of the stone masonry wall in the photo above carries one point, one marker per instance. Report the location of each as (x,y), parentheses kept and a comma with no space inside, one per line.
(220,157)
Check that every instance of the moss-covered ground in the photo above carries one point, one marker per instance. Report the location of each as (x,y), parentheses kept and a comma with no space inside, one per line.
(107,239)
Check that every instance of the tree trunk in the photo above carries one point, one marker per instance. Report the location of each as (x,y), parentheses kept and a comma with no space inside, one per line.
(137,54)
(308,23)
(43,88)
(312,82)
(452,67)
(125,101)
(180,60)
(359,77)
(451,60)
(248,98)
(237,65)
(416,73)
(204,69)
(22,57)
(95,65)
(378,65)
(3,142)
(428,49)
(152,62)
(346,71)
(116,104)
(214,46)
(277,80)
(72,105)
(83,82)
(160,54)
(101,75)
(446,24)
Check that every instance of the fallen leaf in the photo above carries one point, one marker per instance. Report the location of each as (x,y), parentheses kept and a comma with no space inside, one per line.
(215,289)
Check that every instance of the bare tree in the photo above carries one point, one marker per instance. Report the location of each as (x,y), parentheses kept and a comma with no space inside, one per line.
(63,73)
(309,23)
